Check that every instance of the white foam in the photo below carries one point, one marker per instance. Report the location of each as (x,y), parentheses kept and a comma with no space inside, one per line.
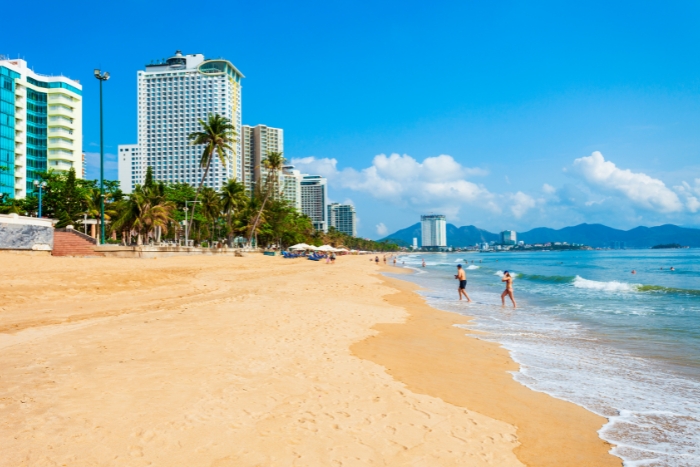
(610,286)
(472,266)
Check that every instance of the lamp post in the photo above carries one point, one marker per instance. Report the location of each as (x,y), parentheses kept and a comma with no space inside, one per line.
(40,186)
(102,77)
(187,224)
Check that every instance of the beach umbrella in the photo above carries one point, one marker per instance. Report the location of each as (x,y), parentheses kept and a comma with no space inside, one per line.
(326,248)
(300,246)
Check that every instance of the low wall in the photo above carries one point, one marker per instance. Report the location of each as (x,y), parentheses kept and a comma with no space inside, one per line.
(148,251)
(25,233)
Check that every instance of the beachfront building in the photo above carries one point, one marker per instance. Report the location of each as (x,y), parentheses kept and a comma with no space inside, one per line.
(41,125)
(509,237)
(131,168)
(291,186)
(342,218)
(256,143)
(314,196)
(173,95)
(433,231)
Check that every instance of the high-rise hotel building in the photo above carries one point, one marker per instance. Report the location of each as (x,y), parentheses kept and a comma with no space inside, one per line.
(433,230)
(314,198)
(257,142)
(342,217)
(41,124)
(173,95)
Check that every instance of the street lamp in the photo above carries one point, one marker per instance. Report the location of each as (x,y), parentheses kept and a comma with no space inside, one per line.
(187,225)
(40,186)
(102,77)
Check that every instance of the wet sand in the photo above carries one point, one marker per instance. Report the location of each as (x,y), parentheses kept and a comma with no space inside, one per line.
(433,357)
(219,361)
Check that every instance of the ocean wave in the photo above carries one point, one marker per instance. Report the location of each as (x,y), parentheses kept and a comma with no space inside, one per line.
(609,286)
(668,290)
(512,274)
(472,266)
(616,286)
(552,279)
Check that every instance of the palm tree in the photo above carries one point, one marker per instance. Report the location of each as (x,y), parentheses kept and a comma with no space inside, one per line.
(273,164)
(217,135)
(233,198)
(210,208)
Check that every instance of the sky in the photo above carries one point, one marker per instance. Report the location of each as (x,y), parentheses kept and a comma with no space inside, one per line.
(503,115)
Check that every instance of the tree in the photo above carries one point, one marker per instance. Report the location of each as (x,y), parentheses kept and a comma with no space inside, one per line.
(273,164)
(217,135)
(233,199)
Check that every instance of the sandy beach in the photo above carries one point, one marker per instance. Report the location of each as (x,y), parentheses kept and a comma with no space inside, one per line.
(258,361)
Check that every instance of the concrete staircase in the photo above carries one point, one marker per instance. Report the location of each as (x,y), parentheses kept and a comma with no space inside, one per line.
(70,242)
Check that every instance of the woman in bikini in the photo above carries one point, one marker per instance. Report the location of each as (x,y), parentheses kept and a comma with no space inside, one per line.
(509,289)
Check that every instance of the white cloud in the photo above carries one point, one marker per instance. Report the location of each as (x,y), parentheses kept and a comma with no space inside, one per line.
(643,190)
(325,167)
(549,189)
(521,203)
(381,229)
(691,194)
(435,184)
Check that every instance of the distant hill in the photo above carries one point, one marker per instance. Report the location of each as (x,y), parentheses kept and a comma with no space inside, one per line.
(595,235)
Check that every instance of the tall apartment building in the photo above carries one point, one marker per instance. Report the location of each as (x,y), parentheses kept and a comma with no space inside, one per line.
(291,186)
(257,142)
(509,237)
(173,95)
(342,218)
(41,125)
(433,230)
(314,196)
(131,167)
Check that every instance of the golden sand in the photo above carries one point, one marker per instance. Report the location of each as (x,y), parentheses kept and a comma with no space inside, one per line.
(221,361)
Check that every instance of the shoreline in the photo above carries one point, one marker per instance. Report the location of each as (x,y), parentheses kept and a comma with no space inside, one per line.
(428,353)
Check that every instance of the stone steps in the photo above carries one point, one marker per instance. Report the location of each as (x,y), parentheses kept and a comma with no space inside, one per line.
(70,244)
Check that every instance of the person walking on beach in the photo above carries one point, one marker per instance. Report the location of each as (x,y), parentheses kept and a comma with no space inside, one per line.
(376,260)
(461,276)
(509,289)
(332,258)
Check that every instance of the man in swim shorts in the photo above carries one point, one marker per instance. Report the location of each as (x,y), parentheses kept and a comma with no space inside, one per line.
(461,276)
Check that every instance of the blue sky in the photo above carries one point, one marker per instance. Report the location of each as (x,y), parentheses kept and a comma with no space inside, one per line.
(508,115)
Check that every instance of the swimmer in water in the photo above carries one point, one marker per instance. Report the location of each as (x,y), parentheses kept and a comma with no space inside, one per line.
(634,272)
(423,263)
(672,268)
(509,289)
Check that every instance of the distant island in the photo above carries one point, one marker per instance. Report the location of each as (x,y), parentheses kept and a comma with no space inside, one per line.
(594,235)
(668,245)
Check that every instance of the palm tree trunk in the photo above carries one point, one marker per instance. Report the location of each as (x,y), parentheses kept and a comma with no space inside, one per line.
(201,183)
(257,218)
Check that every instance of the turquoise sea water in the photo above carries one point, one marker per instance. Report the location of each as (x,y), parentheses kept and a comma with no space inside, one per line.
(626,346)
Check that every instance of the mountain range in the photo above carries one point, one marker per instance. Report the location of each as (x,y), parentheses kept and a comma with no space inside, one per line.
(595,235)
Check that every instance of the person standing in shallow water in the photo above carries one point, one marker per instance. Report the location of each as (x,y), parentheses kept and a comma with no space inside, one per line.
(509,289)
(461,276)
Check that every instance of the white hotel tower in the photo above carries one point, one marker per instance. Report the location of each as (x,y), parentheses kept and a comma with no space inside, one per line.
(173,95)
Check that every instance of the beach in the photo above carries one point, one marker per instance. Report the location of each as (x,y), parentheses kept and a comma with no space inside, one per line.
(221,361)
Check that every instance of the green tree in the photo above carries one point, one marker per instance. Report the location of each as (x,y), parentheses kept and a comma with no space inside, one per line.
(233,199)
(272,164)
(217,136)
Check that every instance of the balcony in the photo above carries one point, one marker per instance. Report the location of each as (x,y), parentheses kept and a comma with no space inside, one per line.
(61,165)
(60,121)
(60,99)
(60,110)
(60,154)
(60,143)
(60,131)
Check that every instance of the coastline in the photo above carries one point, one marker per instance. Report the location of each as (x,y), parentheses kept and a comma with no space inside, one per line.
(432,356)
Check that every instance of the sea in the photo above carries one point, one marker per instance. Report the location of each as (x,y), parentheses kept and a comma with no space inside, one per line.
(587,330)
